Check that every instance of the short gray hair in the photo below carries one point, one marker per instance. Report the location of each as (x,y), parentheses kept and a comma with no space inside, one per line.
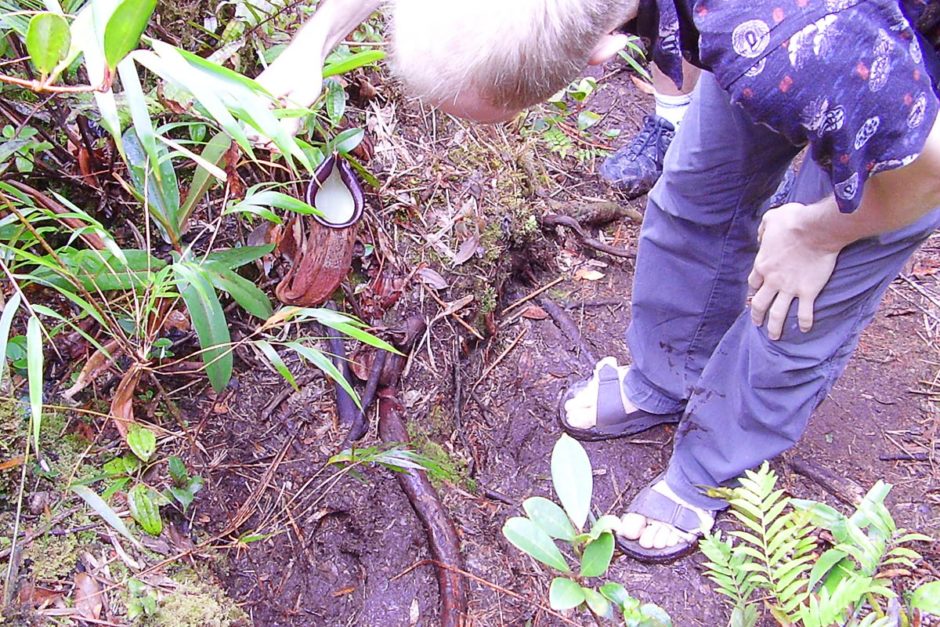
(512,53)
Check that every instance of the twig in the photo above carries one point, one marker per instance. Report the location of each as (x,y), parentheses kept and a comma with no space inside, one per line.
(502,356)
(570,330)
(29,537)
(905,457)
(552,219)
(361,424)
(842,488)
(529,297)
(43,86)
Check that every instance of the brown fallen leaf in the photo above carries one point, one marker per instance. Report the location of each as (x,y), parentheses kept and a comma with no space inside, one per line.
(88,598)
(534,312)
(11,463)
(644,86)
(432,278)
(33,596)
(96,365)
(586,274)
(122,405)
(467,250)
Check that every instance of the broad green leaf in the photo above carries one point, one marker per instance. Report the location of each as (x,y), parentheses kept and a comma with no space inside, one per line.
(352,62)
(6,320)
(214,153)
(142,442)
(144,510)
(615,593)
(526,536)
(597,602)
(571,476)
(101,270)
(104,510)
(47,41)
(270,198)
(549,517)
(124,465)
(927,598)
(564,594)
(655,616)
(177,469)
(34,371)
(597,555)
(208,320)
(233,258)
(242,291)
(125,26)
(335,101)
(607,522)
(277,362)
(346,141)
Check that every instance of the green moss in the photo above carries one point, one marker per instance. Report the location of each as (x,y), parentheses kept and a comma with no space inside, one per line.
(442,466)
(197,602)
(53,557)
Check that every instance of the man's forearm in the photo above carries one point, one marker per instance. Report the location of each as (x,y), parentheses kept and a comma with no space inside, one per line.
(892,200)
(333,20)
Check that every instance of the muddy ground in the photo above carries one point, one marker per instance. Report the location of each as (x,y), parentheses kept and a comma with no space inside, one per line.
(349,551)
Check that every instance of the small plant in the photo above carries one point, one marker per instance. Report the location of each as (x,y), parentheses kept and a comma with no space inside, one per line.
(849,584)
(536,533)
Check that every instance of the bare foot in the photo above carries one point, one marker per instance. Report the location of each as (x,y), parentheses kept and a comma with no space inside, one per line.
(581,409)
(653,534)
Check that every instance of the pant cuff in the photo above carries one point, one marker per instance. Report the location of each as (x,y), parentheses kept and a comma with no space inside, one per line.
(689,492)
(648,397)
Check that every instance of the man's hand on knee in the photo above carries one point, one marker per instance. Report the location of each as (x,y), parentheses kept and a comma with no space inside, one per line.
(791,264)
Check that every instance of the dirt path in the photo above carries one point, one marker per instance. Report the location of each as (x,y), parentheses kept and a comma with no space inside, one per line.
(347,549)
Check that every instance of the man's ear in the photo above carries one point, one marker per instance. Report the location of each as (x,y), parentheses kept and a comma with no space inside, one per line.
(607,47)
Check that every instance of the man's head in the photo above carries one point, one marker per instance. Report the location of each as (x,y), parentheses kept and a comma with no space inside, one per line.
(487,59)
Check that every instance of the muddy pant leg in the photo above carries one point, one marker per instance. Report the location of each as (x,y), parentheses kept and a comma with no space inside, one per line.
(755,395)
(697,245)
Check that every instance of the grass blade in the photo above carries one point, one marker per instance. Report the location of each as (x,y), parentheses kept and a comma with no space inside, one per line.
(34,371)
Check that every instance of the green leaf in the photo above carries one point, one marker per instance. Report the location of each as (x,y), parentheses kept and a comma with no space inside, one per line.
(242,291)
(104,510)
(178,472)
(549,517)
(6,320)
(125,26)
(597,555)
(615,593)
(47,41)
(277,362)
(571,476)
(34,362)
(927,598)
(124,465)
(208,320)
(213,153)
(137,103)
(655,616)
(142,442)
(564,594)
(335,101)
(352,62)
(233,258)
(597,602)
(144,510)
(323,363)
(160,192)
(526,536)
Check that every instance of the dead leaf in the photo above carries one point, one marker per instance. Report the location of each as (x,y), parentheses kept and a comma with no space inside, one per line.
(432,278)
(534,312)
(235,183)
(585,274)
(122,405)
(32,596)
(93,368)
(176,319)
(88,597)
(467,250)
(644,86)
(11,463)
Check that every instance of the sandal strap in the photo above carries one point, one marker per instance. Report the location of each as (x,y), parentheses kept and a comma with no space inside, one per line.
(659,507)
(610,409)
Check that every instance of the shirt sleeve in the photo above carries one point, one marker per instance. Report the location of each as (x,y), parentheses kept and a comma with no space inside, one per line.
(850,83)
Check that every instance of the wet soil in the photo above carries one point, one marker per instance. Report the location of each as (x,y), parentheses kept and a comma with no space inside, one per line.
(350,550)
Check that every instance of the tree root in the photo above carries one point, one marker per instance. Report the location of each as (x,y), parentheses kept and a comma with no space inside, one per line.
(569,329)
(552,219)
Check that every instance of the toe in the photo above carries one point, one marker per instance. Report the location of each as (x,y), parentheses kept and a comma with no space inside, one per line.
(662,537)
(631,526)
(648,537)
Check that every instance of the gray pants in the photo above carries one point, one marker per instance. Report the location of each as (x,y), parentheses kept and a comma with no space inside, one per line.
(746,398)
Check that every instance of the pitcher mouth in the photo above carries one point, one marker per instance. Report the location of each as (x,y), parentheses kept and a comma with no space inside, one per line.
(332,179)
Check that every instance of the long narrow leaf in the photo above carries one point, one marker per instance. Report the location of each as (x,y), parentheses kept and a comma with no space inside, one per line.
(137,103)
(6,320)
(208,320)
(323,363)
(34,371)
(213,153)
(277,362)
(104,510)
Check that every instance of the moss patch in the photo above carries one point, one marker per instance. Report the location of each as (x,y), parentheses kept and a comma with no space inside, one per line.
(197,602)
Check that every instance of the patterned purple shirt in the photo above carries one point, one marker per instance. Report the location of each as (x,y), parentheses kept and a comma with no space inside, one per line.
(848,77)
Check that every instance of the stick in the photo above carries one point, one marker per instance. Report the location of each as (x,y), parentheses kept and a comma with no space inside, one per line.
(570,330)
(502,356)
(529,297)
(552,219)
(842,488)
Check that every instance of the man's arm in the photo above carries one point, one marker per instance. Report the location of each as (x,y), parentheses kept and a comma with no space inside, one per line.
(295,76)
(800,243)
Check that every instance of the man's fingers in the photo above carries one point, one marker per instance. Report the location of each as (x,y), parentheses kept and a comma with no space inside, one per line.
(778,315)
(760,303)
(755,280)
(805,313)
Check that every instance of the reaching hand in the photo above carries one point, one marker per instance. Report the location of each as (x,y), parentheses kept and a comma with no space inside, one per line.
(295,80)
(790,264)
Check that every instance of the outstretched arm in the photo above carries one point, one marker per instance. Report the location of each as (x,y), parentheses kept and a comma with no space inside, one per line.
(799,243)
(295,76)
